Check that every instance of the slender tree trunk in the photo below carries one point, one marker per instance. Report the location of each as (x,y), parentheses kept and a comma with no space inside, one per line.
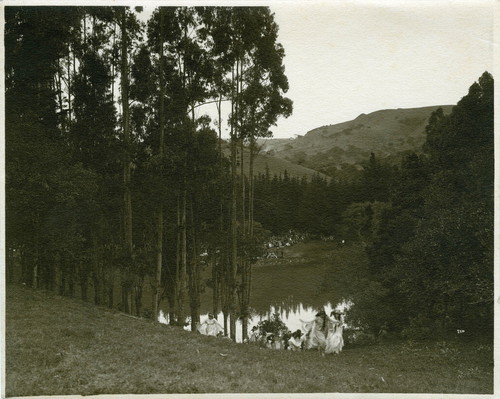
(159,245)
(64,277)
(182,260)
(242,183)
(251,182)
(246,283)
(217,261)
(127,198)
(176,320)
(69,93)
(194,275)
(60,95)
(71,281)
(96,275)
(234,242)
(84,283)
(138,296)
(226,289)
(215,283)
(36,263)
(110,292)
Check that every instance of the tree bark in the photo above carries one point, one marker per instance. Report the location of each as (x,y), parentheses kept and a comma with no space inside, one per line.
(181,277)
(159,244)
(127,198)
(194,274)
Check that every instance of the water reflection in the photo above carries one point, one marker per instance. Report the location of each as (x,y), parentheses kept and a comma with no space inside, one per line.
(291,313)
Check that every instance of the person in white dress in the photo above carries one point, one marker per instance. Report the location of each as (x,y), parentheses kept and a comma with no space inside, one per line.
(210,326)
(334,340)
(296,342)
(254,334)
(316,332)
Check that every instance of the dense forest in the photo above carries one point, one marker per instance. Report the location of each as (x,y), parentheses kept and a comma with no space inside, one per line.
(113,181)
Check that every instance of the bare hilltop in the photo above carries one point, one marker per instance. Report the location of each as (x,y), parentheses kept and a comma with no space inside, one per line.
(387,133)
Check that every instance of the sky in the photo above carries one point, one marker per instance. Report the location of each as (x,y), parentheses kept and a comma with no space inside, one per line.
(347,57)
(344,59)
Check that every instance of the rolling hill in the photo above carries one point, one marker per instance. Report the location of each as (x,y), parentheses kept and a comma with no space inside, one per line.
(387,133)
(276,165)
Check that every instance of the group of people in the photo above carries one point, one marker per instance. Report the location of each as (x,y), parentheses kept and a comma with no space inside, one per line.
(324,333)
(286,340)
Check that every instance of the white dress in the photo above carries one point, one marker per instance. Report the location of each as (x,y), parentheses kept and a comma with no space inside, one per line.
(295,344)
(210,327)
(253,336)
(315,334)
(334,340)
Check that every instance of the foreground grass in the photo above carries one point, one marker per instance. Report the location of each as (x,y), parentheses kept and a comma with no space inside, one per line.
(57,346)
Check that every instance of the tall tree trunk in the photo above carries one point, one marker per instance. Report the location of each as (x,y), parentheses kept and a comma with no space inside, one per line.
(176,320)
(182,275)
(215,287)
(246,282)
(253,149)
(110,293)
(235,129)
(60,95)
(36,263)
(234,243)
(159,244)
(217,258)
(84,281)
(96,274)
(69,92)
(127,198)
(62,274)
(194,274)
(138,285)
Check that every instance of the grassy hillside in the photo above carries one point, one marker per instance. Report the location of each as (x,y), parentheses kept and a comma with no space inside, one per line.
(276,165)
(387,133)
(56,345)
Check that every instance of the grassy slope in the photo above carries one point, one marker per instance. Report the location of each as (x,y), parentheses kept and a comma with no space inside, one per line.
(56,345)
(385,132)
(277,166)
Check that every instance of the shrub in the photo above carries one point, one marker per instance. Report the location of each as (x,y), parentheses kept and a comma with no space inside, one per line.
(273,325)
(358,337)
(421,328)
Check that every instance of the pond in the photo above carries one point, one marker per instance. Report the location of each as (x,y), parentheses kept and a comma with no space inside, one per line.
(291,317)
(310,277)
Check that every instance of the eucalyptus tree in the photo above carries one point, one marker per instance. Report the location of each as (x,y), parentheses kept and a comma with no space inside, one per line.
(93,132)
(185,70)
(246,41)
(262,102)
(35,40)
(130,30)
(250,74)
(94,136)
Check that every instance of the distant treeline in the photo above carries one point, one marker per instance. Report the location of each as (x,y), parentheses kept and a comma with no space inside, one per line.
(319,205)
